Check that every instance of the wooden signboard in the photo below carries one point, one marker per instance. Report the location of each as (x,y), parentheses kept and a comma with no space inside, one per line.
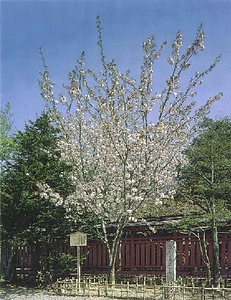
(78,239)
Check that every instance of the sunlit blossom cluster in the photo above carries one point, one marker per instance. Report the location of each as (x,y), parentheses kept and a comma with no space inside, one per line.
(47,193)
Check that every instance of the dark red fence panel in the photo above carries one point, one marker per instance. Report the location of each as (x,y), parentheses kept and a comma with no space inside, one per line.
(139,255)
(142,255)
(146,255)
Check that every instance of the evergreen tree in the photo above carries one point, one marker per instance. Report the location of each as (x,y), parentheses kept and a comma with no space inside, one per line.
(26,217)
(205,181)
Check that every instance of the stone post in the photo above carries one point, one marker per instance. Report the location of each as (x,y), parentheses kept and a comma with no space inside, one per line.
(170,261)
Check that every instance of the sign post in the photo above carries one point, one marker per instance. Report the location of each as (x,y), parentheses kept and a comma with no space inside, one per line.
(78,239)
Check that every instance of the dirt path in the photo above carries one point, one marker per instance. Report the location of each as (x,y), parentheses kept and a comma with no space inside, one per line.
(9,292)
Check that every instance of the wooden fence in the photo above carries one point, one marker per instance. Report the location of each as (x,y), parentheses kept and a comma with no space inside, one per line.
(147,255)
(140,255)
(137,291)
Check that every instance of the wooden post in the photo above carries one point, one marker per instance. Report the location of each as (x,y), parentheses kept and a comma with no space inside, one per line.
(78,264)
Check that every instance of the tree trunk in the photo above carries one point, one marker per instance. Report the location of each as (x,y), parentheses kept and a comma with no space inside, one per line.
(112,261)
(113,246)
(204,254)
(112,274)
(215,241)
(9,274)
(206,259)
(216,257)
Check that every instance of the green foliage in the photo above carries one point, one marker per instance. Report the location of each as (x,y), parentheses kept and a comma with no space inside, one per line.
(64,262)
(6,141)
(205,182)
(206,179)
(59,264)
(26,218)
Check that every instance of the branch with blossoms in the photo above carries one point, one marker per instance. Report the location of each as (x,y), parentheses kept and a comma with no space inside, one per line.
(121,156)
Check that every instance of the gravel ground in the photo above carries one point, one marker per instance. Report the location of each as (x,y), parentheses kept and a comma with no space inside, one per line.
(9,292)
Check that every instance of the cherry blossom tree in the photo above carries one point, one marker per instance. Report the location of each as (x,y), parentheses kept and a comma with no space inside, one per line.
(123,139)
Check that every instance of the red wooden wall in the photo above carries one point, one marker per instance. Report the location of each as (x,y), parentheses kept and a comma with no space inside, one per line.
(146,255)
(143,255)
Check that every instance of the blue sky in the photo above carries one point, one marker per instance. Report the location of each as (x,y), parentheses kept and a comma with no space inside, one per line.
(65,28)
